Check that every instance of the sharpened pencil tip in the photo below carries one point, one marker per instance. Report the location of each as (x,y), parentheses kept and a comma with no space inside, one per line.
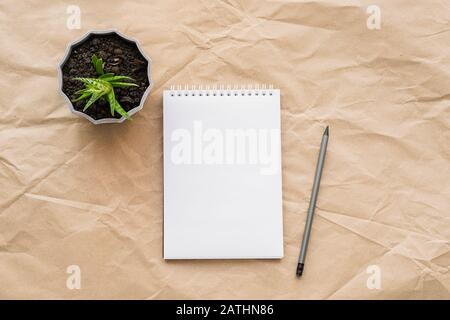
(300,267)
(326,131)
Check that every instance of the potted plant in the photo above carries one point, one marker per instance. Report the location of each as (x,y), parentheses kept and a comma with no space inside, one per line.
(105,77)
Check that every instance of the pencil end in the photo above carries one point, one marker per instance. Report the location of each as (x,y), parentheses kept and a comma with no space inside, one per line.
(300,268)
(326,132)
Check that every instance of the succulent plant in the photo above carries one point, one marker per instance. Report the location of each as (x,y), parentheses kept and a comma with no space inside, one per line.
(102,87)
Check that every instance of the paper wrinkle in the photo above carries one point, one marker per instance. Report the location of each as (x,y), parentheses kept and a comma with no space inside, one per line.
(77,194)
(172,77)
(74,204)
(40,180)
(400,240)
(331,14)
(348,287)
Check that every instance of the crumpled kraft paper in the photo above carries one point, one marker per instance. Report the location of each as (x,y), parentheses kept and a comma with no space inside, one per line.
(75,194)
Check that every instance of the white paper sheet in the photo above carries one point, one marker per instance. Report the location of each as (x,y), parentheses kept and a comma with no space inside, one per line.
(222,175)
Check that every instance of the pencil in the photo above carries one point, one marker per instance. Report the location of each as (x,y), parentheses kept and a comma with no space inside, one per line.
(312,203)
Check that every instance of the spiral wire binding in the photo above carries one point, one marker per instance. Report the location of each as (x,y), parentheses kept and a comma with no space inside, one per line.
(221,90)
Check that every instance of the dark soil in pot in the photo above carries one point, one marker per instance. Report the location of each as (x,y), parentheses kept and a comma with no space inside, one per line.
(121,57)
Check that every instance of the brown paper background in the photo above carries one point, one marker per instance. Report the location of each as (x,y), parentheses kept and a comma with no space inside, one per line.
(77,194)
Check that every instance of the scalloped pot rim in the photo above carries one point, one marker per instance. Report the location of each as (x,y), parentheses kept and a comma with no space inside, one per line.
(66,56)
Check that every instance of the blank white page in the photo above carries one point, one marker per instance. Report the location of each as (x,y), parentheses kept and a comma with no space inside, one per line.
(222,175)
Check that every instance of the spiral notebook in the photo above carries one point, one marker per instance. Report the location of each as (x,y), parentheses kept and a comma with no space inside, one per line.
(222,174)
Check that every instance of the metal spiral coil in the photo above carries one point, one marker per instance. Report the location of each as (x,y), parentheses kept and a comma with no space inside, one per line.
(221,90)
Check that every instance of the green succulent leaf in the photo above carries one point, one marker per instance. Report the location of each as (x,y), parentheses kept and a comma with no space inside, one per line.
(115,105)
(123,84)
(93,98)
(106,75)
(87,81)
(82,97)
(84,90)
(111,98)
(98,64)
(114,78)
(121,111)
